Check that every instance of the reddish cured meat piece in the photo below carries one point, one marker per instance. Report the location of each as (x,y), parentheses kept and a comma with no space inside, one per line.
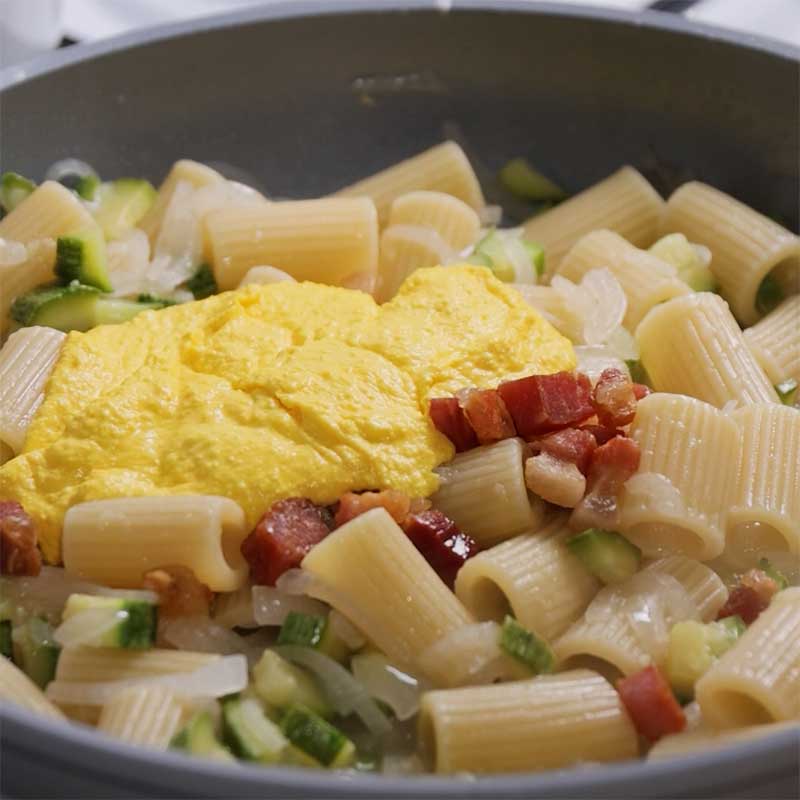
(612,464)
(488,416)
(449,419)
(571,444)
(352,505)
(614,398)
(650,703)
(179,591)
(19,554)
(544,403)
(283,537)
(602,434)
(441,542)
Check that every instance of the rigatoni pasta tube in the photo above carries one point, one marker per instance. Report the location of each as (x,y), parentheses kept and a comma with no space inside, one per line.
(443,168)
(26,360)
(645,279)
(764,509)
(607,638)
(745,246)
(370,572)
(50,211)
(16,279)
(451,218)
(191,172)
(624,203)
(403,249)
(543,723)
(143,715)
(693,345)
(317,240)
(18,689)
(758,679)
(114,542)
(775,341)
(534,576)
(705,739)
(483,491)
(677,500)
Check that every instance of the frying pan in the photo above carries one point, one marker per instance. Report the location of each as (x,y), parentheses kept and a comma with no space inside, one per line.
(306,97)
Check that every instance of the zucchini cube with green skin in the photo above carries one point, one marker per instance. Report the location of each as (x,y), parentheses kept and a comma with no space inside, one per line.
(81,256)
(14,188)
(122,203)
(135,620)
(66,308)
(608,555)
(36,650)
(677,250)
(202,284)
(311,630)
(524,180)
(526,647)
(317,738)
(250,733)
(281,684)
(199,739)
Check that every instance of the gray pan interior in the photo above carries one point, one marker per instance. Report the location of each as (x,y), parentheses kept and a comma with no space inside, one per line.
(306,101)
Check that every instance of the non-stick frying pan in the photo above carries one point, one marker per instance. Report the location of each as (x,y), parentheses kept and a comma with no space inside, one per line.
(305,97)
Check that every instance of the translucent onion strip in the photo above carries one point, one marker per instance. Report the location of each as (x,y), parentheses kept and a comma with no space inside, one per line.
(384,682)
(271,605)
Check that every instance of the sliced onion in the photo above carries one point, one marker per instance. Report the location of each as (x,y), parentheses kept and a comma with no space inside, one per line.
(67,167)
(235,609)
(203,635)
(343,691)
(490,216)
(86,627)
(605,307)
(296,581)
(346,631)
(622,344)
(524,270)
(384,682)
(128,261)
(271,605)
(593,359)
(226,675)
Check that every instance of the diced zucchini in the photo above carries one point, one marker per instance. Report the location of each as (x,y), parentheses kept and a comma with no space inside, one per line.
(787,391)
(295,757)
(765,566)
(250,733)
(36,651)
(309,630)
(135,626)
(14,189)
(202,283)
(693,649)
(769,295)
(200,739)
(677,250)
(523,180)
(511,258)
(317,738)
(112,310)
(637,371)
(81,257)
(536,254)
(155,300)
(526,647)
(281,684)
(6,646)
(608,555)
(121,204)
(86,186)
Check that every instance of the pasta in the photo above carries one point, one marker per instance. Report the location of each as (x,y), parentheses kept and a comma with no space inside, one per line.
(191,172)
(758,680)
(370,572)
(775,341)
(26,361)
(451,218)
(147,715)
(48,212)
(608,637)
(17,688)
(533,576)
(624,202)
(323,240)
(678,500)
(116,541)
(443,168)
(646,280)
(484,492)
(704,739)
(19,277)
(764,510)
(543,723)
(692,345)
(746,246)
